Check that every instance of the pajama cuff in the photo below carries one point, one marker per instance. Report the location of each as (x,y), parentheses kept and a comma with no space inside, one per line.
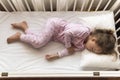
(27,31)
(63,53)
(22,37)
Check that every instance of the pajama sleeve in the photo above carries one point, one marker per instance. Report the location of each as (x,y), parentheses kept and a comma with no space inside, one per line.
(67,39)
(63,53)
(79,37)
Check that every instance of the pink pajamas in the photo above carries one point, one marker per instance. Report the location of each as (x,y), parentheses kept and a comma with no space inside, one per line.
(57,29)
(40,39)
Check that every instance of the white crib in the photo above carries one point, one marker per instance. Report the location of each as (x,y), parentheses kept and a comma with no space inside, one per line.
(62,6)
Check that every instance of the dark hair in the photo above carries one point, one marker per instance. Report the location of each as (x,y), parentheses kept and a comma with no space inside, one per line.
(105,39)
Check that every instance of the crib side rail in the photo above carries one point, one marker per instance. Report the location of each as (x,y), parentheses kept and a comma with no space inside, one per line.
(116,9)
(58,5)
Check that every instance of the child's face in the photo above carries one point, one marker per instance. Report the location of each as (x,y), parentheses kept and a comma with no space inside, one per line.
(92,46)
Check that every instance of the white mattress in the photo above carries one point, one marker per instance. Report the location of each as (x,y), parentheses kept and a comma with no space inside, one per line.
(20,57)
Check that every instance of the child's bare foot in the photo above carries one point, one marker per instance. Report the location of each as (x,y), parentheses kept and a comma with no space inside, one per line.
(51,57)
(15,37)
(22,25)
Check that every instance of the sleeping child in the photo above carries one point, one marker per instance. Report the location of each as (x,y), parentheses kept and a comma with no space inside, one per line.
(75,37)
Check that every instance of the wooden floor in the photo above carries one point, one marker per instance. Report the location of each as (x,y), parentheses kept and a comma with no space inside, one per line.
(90,78)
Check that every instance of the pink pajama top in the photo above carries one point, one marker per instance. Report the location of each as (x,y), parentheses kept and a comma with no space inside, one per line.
(71,34)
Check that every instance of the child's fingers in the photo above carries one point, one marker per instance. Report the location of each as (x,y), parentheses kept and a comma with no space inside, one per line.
(48,57)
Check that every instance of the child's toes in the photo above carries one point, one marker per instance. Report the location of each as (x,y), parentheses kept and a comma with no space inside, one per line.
(13,25)
(24,22)
(8,40)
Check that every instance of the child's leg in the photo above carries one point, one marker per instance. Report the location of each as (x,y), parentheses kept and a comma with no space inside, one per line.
(35,40)
(22,25)
(40,39)
(43,38)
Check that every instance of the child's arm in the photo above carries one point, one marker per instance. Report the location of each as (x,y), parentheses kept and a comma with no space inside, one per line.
(67,51)
(62,53)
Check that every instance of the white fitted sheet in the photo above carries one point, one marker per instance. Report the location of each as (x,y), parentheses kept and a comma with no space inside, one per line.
(20,57)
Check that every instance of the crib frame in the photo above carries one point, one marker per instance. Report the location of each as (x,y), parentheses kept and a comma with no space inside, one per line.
(87,5)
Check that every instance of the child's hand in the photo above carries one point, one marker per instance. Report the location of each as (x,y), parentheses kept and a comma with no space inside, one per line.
(50,57)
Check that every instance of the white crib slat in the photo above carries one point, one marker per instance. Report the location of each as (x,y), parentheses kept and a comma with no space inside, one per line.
(14,3)
(4,6)
(118,45)
(83,4)
(51,5)
(117,12)
(74,6)
(11,5)
(28,7)
(43,5)
(22,5)
(66,7)
(118,29)
(98,5)
(115,5)
(36,2)
(90,5)
(34,5)
(17,6)
(58,6)
(119,37)
(107,5)
(117,21)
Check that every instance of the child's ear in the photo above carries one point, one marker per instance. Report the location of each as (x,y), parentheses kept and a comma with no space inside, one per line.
(93,38)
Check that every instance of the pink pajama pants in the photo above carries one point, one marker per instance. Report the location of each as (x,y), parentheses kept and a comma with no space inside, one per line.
(38,40)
